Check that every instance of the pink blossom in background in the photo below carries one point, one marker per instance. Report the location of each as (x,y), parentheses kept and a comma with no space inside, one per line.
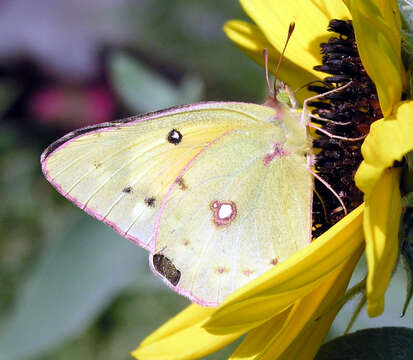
(70,108)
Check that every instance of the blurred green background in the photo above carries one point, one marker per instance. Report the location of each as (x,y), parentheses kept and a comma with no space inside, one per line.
(70,287)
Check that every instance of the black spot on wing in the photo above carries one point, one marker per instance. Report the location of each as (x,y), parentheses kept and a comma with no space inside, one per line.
(166,268)
(150,202)
(174,137)
(127,190)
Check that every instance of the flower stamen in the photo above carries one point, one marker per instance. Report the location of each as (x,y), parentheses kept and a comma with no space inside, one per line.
(347,113)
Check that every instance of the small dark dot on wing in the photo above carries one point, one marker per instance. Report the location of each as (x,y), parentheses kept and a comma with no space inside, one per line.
(127,190)
(150,202)
(182,185)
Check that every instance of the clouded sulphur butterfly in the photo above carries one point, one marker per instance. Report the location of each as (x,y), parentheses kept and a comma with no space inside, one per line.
(217,192)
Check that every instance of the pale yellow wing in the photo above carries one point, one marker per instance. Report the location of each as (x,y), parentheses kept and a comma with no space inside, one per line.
(120,172)
(243,206)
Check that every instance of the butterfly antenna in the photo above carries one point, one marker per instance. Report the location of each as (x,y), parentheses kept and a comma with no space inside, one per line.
(305,113)
(290,32)
(327,185)
(270,90)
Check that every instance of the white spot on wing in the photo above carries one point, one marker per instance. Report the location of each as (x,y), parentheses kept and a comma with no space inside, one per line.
(225,211)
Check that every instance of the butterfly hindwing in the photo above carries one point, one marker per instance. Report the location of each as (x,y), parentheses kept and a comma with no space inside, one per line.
(240,208)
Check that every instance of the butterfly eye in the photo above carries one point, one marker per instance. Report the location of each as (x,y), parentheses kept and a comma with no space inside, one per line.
(174,137)
(166,268)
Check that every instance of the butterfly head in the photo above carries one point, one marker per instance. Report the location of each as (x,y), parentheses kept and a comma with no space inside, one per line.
(282,96)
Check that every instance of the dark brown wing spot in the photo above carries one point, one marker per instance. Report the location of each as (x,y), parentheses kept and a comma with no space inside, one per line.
(181,184)
(127,190)
(174,137)
(166,268)
(186,242)
(150,202)
(274,261)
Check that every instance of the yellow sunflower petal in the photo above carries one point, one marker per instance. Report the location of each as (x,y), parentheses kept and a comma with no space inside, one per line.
(179,322)
(381,226)
(376,26)
(277,289)
(170,341)
(280,339)
(307,343)
(311,21)
(252,41)
(256,339)
(388,141)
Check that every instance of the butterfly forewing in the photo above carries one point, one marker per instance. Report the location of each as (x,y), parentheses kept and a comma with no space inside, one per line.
(120,172)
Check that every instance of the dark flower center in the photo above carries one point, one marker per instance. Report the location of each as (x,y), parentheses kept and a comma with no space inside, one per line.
(352,109)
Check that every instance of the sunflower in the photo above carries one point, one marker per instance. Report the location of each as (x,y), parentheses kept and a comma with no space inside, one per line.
(286,312)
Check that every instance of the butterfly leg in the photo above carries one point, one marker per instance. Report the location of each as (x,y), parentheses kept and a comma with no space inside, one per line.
(336,136)
(310,162)
(328,186)
(305,114)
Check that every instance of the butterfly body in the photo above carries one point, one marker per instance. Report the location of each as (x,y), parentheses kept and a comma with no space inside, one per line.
(217,192)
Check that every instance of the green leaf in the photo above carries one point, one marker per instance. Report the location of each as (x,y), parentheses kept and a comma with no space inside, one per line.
(406,245)
(387,343)
(8,94)
(143,90)
(75,279)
